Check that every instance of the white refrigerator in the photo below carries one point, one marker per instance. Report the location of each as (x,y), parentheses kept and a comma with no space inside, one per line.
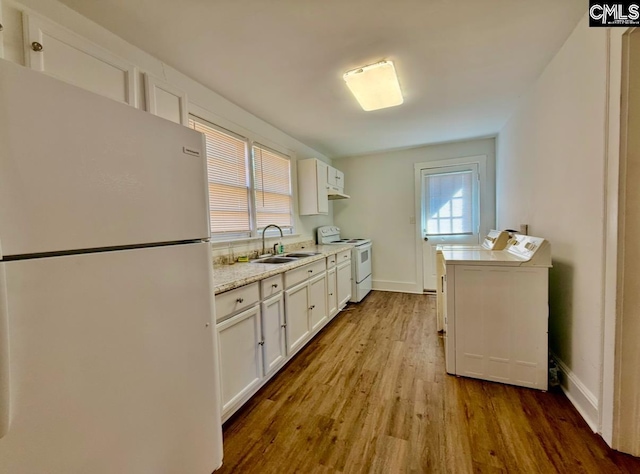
(108,349)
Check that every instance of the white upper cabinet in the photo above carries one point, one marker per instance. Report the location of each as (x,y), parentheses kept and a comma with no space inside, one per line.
(165,100)
(335,179)
(60,53)
(312,187)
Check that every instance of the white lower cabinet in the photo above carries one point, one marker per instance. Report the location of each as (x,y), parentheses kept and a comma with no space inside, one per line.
(343,277)
(273,333)
(240,342)
(271,325)
(296,302)
(332,293)
(318,314)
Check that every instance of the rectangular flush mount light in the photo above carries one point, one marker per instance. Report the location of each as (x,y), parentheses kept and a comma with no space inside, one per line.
(375,86)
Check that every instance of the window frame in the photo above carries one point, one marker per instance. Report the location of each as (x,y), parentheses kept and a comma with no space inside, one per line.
(255,232)
(471,168)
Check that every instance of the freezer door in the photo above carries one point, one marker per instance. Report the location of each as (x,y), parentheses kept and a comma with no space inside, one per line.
(113,364)
(81,171)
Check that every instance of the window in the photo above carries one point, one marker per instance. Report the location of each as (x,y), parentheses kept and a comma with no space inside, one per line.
(450,201)
(272,182)
(247,191)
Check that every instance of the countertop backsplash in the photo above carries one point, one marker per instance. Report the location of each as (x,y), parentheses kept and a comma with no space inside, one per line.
(224,255)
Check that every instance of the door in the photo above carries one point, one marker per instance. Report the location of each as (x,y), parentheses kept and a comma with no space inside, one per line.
(343,277)
(450,212)
(113,358)
(318,302)
(362,262)
(240,357)
(274,349)
(96,161)
(296,302)
(332,293)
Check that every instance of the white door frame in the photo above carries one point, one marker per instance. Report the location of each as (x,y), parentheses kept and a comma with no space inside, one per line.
(485,222)
(615,136)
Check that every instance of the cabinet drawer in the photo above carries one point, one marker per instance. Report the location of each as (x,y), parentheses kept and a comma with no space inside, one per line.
(271,286)
(236,300)
(295,276)
(332,260)
(343,256)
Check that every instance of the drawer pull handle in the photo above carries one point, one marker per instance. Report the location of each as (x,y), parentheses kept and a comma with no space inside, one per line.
(261,343)
(275,285)
(240,300)
(310,271)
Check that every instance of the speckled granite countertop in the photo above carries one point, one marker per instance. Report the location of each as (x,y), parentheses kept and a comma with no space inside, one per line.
(228,277)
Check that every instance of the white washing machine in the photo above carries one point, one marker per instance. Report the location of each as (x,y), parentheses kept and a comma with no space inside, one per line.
(496,312)
(495,240)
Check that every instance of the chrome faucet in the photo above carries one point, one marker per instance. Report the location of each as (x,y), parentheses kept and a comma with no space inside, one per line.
(264,233)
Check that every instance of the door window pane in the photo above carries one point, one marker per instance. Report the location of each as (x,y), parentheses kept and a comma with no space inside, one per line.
(449,203)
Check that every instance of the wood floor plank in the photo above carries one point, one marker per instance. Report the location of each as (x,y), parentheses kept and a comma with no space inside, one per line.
(370,395)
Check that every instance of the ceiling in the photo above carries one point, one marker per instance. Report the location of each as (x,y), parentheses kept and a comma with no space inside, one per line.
(462,64)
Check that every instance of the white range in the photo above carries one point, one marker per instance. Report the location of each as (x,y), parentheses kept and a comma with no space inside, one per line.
(360,258)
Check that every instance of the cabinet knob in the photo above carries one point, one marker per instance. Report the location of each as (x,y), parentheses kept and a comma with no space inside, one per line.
(275,285)
(240,300)
(37,47)
(312,306)
(330,294)
(261,343)
(310,271)
(283,326)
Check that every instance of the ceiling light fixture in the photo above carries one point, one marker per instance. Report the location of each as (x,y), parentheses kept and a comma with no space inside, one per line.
(375,86)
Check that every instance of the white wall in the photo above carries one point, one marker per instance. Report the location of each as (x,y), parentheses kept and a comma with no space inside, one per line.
(382,206)
(202,101)
(550,175)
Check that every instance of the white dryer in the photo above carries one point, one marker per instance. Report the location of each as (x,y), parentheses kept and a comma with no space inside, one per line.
(496,312)
(495,240)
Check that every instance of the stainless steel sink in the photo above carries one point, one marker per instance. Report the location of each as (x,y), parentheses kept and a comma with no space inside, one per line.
(302,254)
(275,260)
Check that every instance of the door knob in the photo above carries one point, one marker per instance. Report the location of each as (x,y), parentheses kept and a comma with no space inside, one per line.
(426,239)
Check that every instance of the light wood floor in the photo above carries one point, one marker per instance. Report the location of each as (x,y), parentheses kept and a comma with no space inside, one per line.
(370,394)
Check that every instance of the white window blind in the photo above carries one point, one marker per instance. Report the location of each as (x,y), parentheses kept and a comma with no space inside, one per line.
(272,184)
(227,167)
(449,203)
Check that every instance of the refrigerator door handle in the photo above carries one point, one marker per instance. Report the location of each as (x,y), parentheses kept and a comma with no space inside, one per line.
(5,377)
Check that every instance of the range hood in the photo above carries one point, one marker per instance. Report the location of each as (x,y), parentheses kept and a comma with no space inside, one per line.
(332,194)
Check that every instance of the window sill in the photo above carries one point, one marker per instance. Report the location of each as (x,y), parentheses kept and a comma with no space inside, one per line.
(217,244)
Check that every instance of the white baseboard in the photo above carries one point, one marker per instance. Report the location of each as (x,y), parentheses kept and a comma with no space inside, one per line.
(395,286)
(579,395)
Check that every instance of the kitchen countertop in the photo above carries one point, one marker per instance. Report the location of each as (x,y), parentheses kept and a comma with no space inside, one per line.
(228,277)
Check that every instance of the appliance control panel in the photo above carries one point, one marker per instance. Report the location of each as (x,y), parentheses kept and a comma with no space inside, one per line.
(535,250)
(496,240)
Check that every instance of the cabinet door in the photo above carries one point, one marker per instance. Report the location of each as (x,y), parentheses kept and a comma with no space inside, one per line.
(321,177)
(343,278)
(76,60)
(339,179)
(240,357)
(296,302)
(331,176)
(318,302)
(332,293)
(274,349)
